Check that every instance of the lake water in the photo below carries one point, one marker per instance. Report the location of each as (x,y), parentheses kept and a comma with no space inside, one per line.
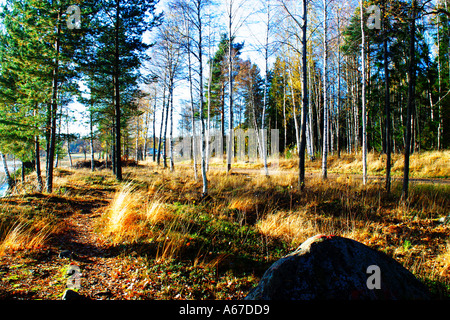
(3,183)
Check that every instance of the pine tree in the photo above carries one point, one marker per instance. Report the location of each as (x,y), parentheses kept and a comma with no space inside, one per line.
(38,56)
(115,53)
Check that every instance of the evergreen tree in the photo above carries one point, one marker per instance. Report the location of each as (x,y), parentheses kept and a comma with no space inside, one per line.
(115,54)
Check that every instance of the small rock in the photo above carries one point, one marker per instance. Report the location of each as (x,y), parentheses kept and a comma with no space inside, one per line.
(333,267)
(66,254)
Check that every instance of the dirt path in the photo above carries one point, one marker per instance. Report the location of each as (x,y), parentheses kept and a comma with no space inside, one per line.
(105,273)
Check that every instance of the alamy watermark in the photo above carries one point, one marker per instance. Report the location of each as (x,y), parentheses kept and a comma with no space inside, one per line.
(374,280)
(73,19)
(246,146)
(74,277)
(374,19)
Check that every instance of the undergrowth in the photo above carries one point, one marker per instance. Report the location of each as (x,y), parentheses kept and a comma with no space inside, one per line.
(218,247)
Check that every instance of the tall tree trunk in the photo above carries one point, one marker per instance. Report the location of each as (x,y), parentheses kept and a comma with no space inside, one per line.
(54,107)
(411,99)
(338,119)
(222,118)
(163,110)
(191,94)
(265,99)
(91,141)
(147,129)
(154,129)
(68,139)
(40,183)
(202,116)
(230,83)
(113,146)
(294,110)
(37,157)
(9,179)
(310,116)
(387,104)
(48,134)
(325,98)
(172,163)
(117,94)
(59,135)
(165,129)
(301,163)
(356,112)
(363,95)
(136,142)
(284,107)
(208,119)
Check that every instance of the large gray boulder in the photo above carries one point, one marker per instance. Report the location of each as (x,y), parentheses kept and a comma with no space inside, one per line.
(333,267)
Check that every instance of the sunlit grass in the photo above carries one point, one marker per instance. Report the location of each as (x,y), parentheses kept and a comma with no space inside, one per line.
(249,220)
(25,236)
(428,164)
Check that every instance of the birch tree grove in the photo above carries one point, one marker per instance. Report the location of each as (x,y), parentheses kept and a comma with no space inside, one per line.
(314,70)
(301,21)
(194,13)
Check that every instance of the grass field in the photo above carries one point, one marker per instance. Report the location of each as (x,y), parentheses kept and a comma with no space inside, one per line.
(183,246)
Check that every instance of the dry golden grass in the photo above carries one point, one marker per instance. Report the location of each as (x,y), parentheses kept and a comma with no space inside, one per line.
(123,214)
(24,236)
(293,227)
(164,212)
(155,212)
(428,164)
(242,203)
(444,259)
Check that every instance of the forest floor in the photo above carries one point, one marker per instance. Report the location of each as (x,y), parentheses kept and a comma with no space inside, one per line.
(153,236)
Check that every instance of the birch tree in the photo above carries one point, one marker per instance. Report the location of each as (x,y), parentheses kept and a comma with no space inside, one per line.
(266,48)
(300,19)
(195,13)
(236,16)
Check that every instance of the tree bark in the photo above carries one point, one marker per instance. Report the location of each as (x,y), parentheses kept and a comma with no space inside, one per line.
(363,95)
(163,110)
(154,129)
(54,107)
(301,170)
(387,106)
(411,100)
(266,59)
(172,163)
(9,179)
(40,183)
(191,93)
(325,99)
(117,94)
(202,103)
(91,142)
(230,84)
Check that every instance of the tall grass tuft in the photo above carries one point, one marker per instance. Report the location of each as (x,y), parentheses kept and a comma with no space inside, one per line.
(25,236)
(293,227)
(122,214)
